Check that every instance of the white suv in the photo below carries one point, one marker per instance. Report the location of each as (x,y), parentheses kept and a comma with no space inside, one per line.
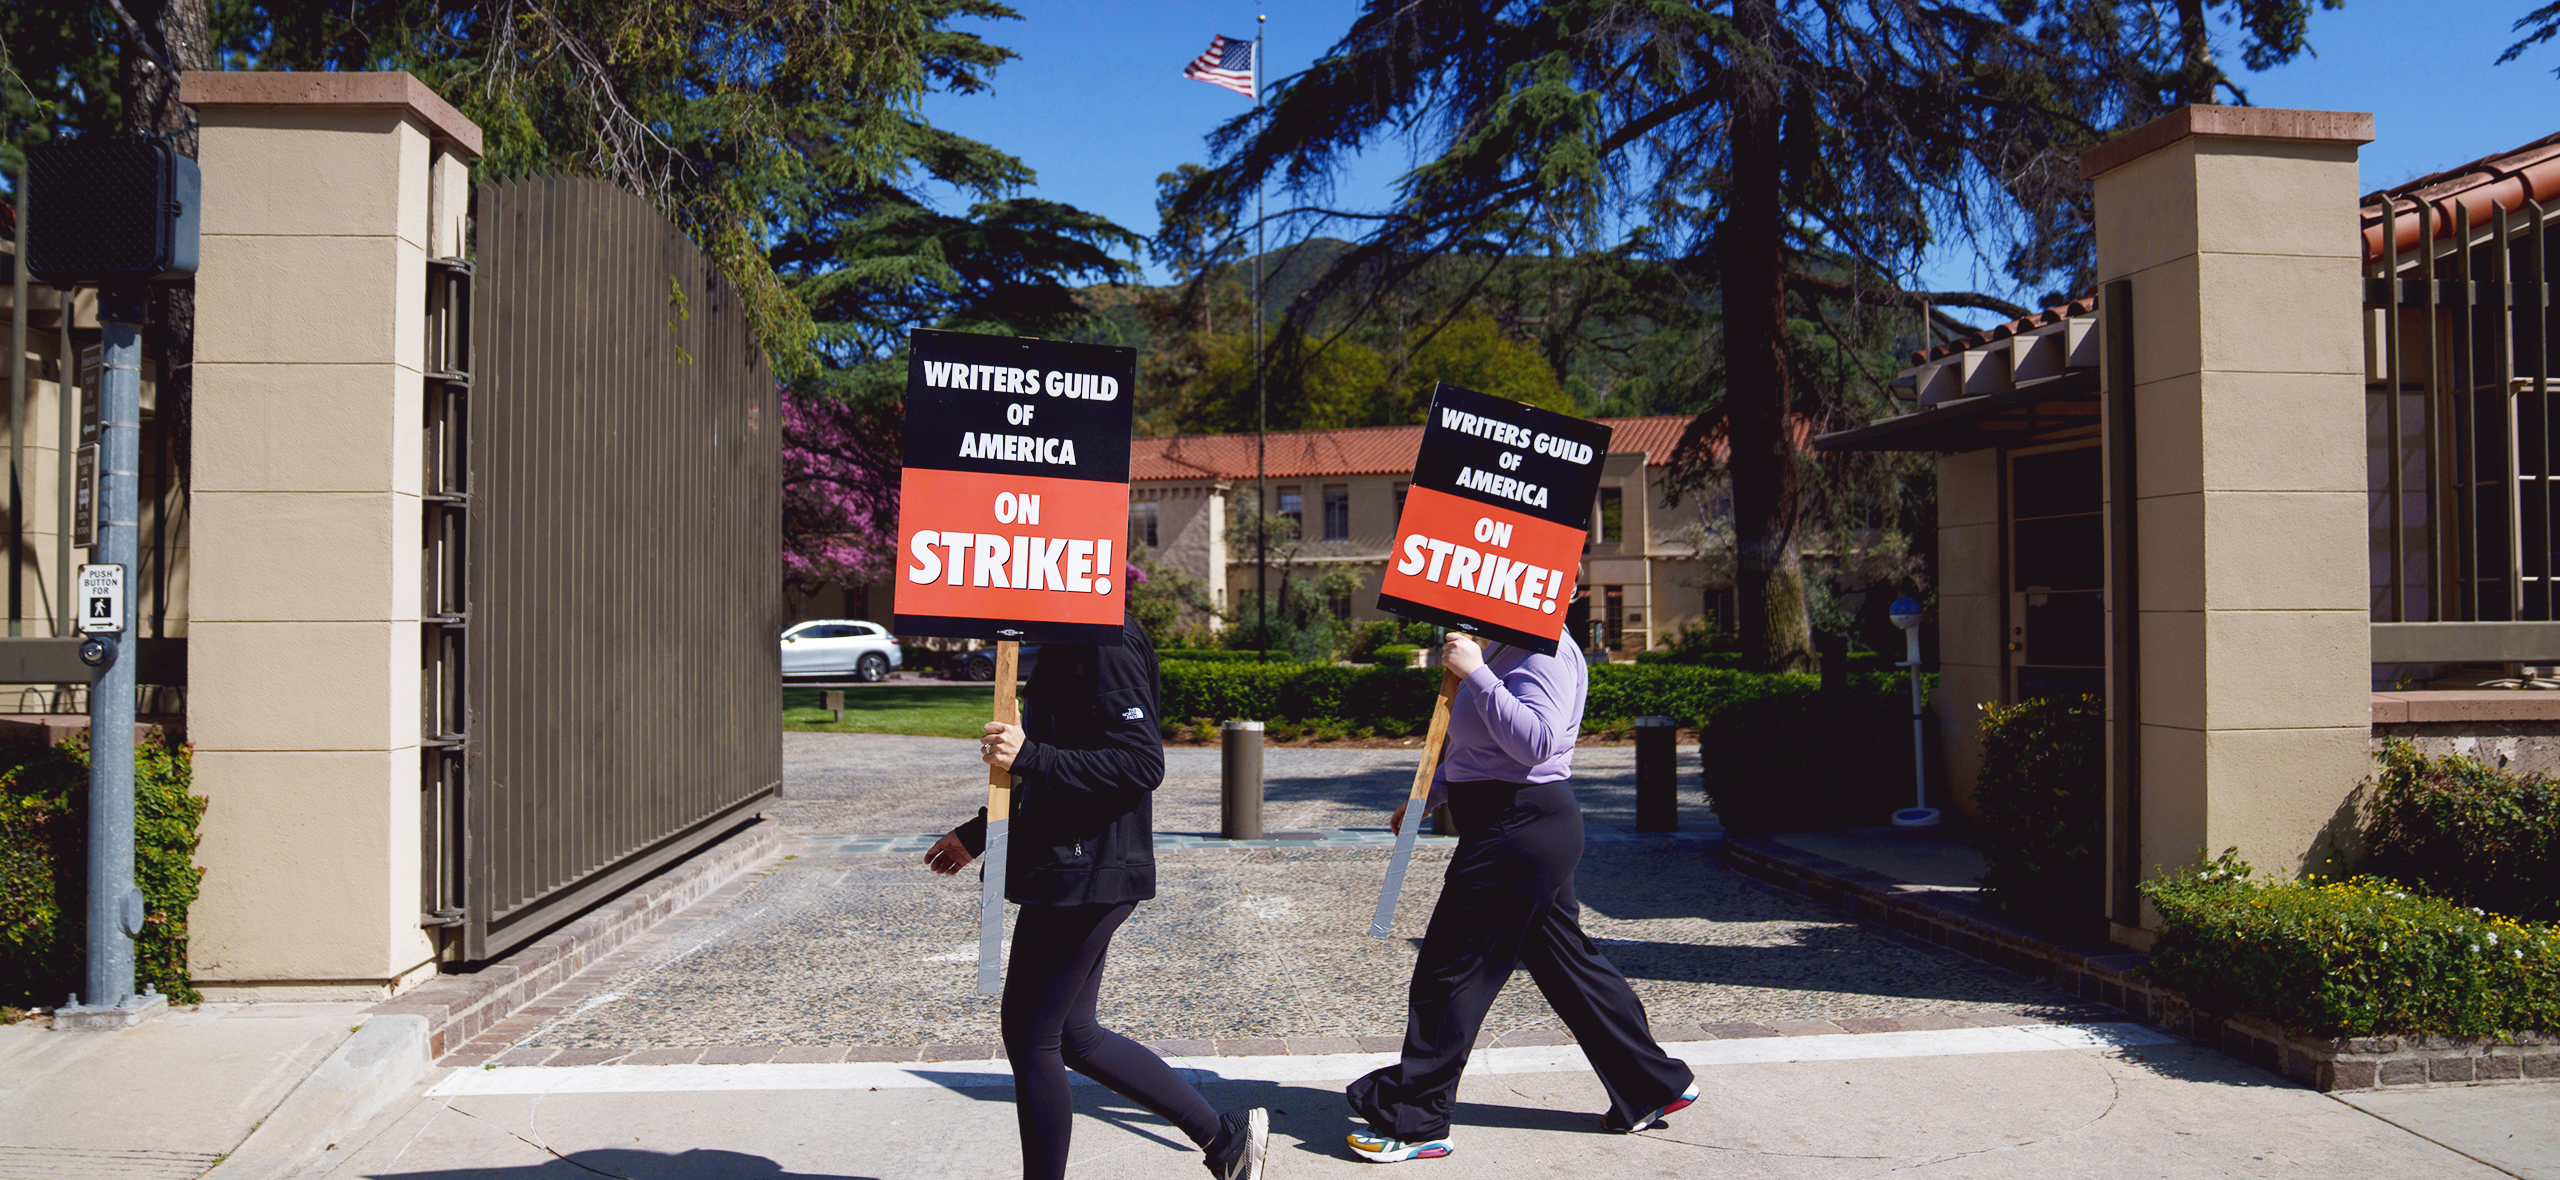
(839,646)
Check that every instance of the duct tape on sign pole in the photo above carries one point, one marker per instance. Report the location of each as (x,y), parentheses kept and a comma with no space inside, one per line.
(1013,507)
(1490,543)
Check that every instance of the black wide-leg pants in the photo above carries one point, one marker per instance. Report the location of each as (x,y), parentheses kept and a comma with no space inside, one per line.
(1508,901)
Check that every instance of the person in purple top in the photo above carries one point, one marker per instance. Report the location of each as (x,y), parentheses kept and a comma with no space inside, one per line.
(1508,901)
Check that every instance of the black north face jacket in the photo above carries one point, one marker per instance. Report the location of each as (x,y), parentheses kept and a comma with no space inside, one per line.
(1084,792)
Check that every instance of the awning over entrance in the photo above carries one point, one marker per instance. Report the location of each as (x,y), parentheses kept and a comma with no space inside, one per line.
(2031,380)
(2035,411)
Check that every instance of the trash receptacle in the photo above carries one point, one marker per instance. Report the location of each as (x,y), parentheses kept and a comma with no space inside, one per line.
(1240,780)
(1657,775)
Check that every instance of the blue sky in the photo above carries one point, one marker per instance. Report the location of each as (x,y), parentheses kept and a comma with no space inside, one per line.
(1097,104)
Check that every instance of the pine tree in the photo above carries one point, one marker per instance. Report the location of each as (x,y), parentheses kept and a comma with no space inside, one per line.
(1764,157)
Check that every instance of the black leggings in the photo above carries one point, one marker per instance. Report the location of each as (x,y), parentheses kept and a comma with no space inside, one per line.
(1508,901)
(1049,992)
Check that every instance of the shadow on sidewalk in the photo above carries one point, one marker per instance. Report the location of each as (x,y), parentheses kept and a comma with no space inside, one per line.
(622,1163)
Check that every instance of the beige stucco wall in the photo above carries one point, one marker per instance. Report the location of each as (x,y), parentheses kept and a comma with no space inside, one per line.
(1191,530)
(1973,652)
(305,645)
(2250,477)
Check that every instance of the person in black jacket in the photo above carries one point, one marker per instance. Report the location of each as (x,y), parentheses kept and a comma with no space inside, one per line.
(1086,762)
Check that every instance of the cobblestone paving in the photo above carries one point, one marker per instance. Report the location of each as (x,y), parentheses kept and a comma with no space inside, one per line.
(852,943)
(879,784)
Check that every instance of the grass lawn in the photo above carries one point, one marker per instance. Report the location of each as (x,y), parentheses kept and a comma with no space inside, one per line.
(923,710)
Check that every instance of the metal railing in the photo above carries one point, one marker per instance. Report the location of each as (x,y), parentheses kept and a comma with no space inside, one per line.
(2460,433)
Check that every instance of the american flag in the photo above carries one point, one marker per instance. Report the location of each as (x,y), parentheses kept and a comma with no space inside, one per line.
(1228,62)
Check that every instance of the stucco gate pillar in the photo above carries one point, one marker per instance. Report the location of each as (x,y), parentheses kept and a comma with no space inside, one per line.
(324,196)
(2236,228)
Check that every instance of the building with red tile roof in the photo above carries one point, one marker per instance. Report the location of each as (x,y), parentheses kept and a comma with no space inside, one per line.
(1345,488)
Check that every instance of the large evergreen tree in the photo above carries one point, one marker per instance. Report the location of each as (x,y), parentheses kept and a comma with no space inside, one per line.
(785,136)
(1743,163)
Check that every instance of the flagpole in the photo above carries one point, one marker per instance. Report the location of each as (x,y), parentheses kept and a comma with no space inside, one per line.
(1261,407)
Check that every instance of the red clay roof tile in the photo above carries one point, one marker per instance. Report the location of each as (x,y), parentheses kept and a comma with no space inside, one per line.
(2506,180)
(1369,450)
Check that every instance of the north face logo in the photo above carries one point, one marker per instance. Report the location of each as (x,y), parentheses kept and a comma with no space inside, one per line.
(1132,713)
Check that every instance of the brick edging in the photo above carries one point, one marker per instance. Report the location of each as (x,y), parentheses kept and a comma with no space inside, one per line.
(458,1007)
(1964,924)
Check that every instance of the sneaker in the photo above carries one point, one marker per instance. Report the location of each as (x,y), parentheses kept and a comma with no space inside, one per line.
(1244,1137)
(1609,1122)
(1378,1149)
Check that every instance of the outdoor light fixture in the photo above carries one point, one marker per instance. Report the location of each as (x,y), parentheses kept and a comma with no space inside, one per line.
(1905,613)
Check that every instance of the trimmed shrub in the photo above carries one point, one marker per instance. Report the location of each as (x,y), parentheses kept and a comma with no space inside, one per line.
(44,835)
(1397,700)
(2362,957)
(1281,729)
(1212,655)
(2042,796)
(2462,830)
(1388,699)
(1783,756)
(1395,655)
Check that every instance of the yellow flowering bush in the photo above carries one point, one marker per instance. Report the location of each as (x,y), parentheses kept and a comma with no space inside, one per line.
(2359,957)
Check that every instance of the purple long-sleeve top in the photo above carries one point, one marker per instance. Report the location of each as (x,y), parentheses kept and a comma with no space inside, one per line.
(1514,719)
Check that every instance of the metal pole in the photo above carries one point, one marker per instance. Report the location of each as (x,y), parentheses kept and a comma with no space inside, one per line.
(69,416)
(115,909)
(1261,409)
(1919,728)
(1905,614)
(18,410)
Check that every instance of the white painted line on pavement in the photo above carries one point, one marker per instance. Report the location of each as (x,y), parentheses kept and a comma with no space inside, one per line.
(866,1075)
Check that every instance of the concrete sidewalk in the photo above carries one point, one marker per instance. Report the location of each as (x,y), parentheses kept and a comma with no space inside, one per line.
(165,1099)
(818,1021)
(2034,1101)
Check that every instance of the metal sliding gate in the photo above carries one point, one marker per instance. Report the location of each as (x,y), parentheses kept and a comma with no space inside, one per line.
(603,549)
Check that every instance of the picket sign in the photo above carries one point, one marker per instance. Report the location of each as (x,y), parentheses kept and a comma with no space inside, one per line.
(1489,543)
(1012,506)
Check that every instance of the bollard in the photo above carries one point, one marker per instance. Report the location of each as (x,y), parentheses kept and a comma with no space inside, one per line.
(834,702)
(1240,780)
(1657,775)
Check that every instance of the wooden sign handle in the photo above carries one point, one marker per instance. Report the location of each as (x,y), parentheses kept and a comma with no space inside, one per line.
(1413,808)
(999,835)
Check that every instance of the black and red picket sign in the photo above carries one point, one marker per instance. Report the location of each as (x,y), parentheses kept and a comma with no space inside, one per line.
(1492,531)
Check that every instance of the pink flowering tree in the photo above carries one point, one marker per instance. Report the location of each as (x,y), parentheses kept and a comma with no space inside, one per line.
(839,489)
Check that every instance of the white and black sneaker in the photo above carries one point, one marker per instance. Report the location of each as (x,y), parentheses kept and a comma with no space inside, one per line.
(1244,1138)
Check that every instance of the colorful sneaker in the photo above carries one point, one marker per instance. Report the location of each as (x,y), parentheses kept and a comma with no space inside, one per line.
(1378,1149)
(1610,1123)
(1244,1138)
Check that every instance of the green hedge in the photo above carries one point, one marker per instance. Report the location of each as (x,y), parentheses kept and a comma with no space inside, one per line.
(1398,700)
(2042,798)
(2362,957)
(44,871)
(1220,656)
(1782,756)
(1389,700)
(2462,830)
